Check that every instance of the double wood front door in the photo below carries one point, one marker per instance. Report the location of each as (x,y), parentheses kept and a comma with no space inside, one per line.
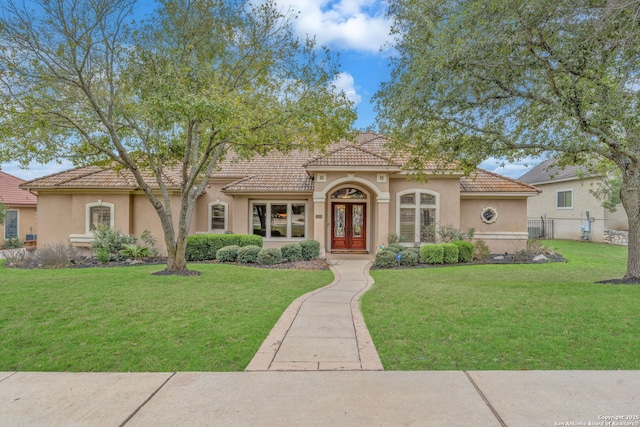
(348,226)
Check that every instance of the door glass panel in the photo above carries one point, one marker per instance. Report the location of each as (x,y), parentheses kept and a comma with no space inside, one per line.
(357,217)
(338,220)
(278,220)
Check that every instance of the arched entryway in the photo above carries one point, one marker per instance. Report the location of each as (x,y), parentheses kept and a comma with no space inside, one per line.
(348,206)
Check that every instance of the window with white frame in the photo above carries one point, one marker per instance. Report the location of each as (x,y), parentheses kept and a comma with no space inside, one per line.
(417,212)
(218,217)
(564,199)
(99,213)
(11,224)
(279,220)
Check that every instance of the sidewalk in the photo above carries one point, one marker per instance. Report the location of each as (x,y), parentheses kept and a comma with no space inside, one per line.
(322,332)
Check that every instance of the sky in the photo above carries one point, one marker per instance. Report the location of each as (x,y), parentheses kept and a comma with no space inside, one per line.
(359,30)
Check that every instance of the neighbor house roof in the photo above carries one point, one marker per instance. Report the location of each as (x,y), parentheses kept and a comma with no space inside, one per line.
(548,171)
(283,172)
(11,194)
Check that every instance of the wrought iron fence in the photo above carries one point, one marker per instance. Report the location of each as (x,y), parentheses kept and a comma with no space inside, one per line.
(540,228)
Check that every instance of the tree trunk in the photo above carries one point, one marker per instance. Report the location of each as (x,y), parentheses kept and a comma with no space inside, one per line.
(630,197)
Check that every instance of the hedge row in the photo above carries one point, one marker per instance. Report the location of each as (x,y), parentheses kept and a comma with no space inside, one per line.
(306,249)
(202,247)
(444,253)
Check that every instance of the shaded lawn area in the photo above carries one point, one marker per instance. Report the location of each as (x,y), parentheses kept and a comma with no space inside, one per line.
(125,319)
(495,317)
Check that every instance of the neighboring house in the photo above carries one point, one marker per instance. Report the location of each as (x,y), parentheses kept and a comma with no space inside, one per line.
(21,219)
(351,198)
(566,201)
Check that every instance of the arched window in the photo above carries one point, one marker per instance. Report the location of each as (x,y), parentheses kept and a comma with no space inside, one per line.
(97,214)
(348,193)
(218,217)
(417,216)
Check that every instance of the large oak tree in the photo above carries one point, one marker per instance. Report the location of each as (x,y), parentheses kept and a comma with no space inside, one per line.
(176,90)
(474,79)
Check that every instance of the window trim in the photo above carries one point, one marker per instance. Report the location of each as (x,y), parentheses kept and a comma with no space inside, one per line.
(566,190)
(226,217)
(417,206)
(88,206)
(17,236)
(289,203)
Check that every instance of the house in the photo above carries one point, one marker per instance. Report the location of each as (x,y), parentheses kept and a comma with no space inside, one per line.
(350,198)
(566,203)
(21,219)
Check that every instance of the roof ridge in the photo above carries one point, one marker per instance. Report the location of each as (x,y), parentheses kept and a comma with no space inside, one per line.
(513,180)
(77,168)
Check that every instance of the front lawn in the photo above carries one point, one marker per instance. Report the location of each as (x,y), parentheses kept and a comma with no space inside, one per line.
(125,319)
(484,317)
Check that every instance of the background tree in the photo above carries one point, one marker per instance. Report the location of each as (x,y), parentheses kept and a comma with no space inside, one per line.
(3,213)
(475,79)
(167,96)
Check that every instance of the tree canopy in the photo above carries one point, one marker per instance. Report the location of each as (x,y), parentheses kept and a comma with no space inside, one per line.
(475,79)
(194,79)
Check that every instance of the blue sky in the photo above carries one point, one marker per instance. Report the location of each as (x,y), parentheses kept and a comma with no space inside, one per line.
(359,31)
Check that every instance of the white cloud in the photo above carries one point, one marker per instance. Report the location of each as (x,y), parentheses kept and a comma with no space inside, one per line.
(512,170)
(360,25)
(344,82)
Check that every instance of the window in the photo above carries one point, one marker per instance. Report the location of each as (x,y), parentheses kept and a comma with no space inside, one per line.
(99,213)
(218,216)
(279,220)
(564,199)
(11,225)
(417,216)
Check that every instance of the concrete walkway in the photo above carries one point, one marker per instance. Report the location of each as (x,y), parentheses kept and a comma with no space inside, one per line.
(323,330)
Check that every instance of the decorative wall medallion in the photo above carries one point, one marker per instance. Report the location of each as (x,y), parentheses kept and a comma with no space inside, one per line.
(489,215)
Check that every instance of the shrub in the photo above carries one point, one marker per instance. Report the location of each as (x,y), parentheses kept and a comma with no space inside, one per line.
(291,252)
(103,255)
(201,247)
(432,254)
(17,258)
(228,253)
(448,233)
(415,251)
(465,250)
(394,238)
(269,256)
(56,255)
(385,259)
(150,241)
(396,247)
(481,251)
(135,251)
(107,240)
(248,254)
(310,249)
(409,257)
(13,243)
(450,255)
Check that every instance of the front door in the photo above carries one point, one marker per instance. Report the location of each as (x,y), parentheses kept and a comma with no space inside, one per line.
(349,225)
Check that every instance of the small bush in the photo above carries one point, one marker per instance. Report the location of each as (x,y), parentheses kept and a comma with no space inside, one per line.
(396,247)
(291,252)
(450,255)
(310,249)
(481,251)
(448,233)
(385,259)
(13,243)
(17,258)
(409,257)
(103,255)
(106,239)
(432,254)
(415,251)
(135,251)
(465,250)
(56,255)
(248,254)
(270,256)
(228,253)
(201,247)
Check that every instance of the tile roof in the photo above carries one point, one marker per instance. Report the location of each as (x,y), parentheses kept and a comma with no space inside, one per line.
(483,181)
(547,171)
(281,172)
(11,194)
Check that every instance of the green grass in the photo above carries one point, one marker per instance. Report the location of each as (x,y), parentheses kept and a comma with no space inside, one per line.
(484,317)
(125,319)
